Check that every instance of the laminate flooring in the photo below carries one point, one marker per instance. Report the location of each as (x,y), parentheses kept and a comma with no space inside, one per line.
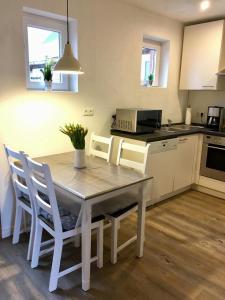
(184,258)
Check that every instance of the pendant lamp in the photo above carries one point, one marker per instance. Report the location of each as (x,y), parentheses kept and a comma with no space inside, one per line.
(68,64)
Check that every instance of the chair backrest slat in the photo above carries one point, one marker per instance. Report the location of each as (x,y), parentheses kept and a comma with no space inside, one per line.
(21,187)
(12,153)
(19,173)
(139,166)
(98,153)
(102,140)
(43,204)
(17,170)
(41,187)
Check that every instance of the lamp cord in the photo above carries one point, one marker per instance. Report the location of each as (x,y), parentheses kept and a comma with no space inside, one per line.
(67,21)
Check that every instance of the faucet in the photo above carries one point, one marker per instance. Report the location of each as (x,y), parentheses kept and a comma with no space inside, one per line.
(169,122)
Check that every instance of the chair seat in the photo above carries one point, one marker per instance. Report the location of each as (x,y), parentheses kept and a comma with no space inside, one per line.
(68,220)
(122,211)
(116,205)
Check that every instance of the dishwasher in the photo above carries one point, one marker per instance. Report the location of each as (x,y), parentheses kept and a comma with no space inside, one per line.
(161,166)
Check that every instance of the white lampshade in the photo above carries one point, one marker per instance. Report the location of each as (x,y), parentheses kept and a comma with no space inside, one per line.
(68,64)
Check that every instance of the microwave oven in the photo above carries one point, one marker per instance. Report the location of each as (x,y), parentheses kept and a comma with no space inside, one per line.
(138,120)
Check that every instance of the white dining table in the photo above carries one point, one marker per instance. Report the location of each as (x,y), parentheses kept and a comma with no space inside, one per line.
(98,182)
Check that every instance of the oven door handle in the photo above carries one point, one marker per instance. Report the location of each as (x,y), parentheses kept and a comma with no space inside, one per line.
(213,147)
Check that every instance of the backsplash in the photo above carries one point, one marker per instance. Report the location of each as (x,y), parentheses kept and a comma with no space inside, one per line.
(200,100)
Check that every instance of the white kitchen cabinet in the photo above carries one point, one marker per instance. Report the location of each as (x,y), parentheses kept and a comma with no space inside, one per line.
(172,163)
(185,162)
(203,56)
(172,166)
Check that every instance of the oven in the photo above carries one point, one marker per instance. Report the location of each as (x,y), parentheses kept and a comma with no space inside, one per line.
(213,157)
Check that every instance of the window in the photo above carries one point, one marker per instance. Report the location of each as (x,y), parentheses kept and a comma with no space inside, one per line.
(44,42)
(43,46)
(150,63)
(155,56)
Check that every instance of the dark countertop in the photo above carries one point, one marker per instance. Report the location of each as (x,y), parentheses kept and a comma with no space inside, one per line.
(162,134)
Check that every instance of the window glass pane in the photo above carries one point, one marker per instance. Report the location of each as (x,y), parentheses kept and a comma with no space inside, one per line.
(43,46)
(148,64)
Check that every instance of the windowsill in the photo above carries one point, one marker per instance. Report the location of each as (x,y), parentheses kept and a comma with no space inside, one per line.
(52,91)
(153,87)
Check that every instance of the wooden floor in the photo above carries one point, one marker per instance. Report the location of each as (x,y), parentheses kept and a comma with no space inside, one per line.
(184,259)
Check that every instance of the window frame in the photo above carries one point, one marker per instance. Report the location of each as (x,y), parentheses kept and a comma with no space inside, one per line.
(150,44)
(36,21)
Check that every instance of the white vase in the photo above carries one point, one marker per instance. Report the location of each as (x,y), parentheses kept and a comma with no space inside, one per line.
(48,85)
(79,159)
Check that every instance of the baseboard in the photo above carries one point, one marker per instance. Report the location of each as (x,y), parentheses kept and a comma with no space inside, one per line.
(167,196)
(208,191)
(6,232)
(175,193)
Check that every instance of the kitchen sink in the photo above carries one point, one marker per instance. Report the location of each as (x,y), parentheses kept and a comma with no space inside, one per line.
(173,129)
(179,128)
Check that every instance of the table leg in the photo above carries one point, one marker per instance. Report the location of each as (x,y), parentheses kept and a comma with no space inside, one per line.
(141,222)
(86,245)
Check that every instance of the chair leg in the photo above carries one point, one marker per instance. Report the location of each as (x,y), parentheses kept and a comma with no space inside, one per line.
(54,277)
(31,239)
(100,230)
(17,225)
(25,220)
(37,245)
(114,241)
(77,241)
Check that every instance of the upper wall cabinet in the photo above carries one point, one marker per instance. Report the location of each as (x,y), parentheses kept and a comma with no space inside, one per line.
(203,56)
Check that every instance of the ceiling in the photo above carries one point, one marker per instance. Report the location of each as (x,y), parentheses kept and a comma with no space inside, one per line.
(186,11)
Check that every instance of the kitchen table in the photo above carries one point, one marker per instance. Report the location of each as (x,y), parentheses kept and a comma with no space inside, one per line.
(98,182)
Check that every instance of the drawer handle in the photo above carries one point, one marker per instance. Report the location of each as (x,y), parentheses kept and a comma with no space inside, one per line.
(183,140)
(208,86)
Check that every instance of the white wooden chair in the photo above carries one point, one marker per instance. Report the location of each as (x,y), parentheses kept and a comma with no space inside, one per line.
(98,152)
(107,144)
(60,224)
(22,187)
(128,202)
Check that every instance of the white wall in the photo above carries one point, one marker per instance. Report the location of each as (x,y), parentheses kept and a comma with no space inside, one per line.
(110,41)
(200,100)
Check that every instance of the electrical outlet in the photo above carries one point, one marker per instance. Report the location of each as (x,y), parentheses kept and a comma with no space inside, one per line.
(88,112)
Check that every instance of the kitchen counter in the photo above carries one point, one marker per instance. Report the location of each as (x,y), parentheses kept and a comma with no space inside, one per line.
(163,134)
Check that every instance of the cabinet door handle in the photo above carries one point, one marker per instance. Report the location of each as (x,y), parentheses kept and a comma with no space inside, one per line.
(183,140)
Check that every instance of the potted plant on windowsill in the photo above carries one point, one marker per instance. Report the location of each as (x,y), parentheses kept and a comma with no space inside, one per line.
(151,79)
(77,135)
(47,73)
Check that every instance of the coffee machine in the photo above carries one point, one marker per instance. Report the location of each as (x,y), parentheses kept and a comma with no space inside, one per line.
(215,118)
